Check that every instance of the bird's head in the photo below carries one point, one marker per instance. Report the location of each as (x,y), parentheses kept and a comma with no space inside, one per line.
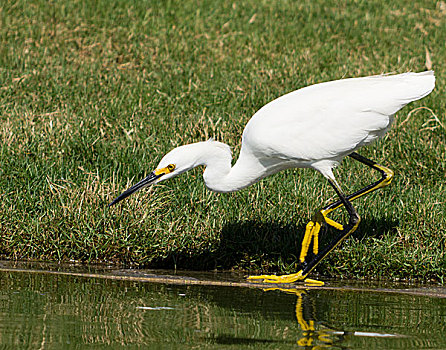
(175,162)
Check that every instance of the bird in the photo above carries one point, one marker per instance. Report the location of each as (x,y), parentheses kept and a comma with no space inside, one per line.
(313,127)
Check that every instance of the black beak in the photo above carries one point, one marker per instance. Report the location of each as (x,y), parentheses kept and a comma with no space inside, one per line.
(143,183)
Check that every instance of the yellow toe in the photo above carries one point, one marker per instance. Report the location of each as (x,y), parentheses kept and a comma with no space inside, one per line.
(312,282)
(259,277)
(279,279)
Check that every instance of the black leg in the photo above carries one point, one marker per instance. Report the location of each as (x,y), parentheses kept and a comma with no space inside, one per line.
(386,179)
(321,220)
(347,230)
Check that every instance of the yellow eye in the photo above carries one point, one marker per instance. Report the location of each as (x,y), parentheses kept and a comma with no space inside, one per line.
(171,167)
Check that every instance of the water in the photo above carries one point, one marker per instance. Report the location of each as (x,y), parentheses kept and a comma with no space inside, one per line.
(49,311)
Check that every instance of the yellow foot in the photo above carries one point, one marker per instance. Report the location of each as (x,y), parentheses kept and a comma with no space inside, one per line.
(287,279)
(312,232)
(312,282)
(279,279)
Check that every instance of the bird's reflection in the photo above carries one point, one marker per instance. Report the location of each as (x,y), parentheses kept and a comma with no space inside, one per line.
(315,335)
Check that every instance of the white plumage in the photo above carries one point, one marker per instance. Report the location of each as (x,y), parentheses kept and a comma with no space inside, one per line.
(320,124)
(313,127)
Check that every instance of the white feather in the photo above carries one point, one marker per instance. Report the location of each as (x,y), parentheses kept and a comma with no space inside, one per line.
(314,127)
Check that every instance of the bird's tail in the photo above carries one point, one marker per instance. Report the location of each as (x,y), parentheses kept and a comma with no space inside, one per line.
(390,93)
(416,85)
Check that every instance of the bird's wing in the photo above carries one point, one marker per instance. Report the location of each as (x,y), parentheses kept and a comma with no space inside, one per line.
(330,120)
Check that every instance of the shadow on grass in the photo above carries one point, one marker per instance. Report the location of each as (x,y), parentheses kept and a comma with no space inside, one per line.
(265,245)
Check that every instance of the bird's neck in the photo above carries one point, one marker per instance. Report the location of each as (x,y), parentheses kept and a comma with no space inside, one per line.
(219,176)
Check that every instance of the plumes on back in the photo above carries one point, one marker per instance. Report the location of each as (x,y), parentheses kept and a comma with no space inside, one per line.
(390,93)
(416,85)
(327,121)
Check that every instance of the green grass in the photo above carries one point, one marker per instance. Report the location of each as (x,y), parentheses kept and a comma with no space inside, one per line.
(93,93)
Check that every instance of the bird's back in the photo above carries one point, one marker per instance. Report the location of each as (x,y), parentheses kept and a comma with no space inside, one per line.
(332,119)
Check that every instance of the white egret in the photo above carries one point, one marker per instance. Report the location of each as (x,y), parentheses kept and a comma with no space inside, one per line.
(313,127)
